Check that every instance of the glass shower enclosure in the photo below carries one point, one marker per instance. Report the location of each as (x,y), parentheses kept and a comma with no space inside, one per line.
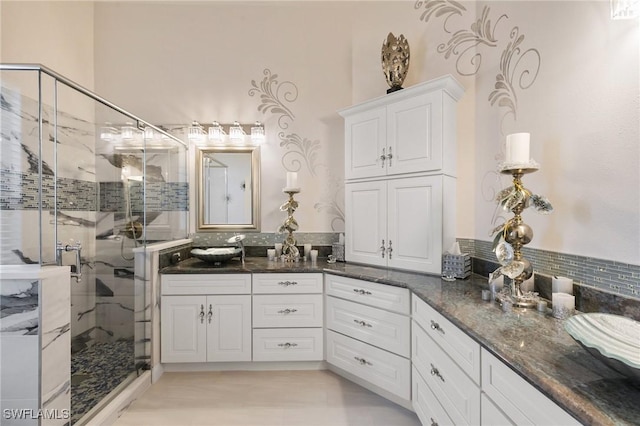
(84,183)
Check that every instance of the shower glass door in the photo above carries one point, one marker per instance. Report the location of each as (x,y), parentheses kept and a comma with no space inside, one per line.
(86,184)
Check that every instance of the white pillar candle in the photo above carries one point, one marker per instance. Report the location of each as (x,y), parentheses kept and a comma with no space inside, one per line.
(292,180)
(278,248)
(563,305)
(517,148)
(561,285)
(314,255)
(307,249)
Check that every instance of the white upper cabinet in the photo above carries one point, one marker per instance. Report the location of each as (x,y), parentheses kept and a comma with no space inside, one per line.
(409,131)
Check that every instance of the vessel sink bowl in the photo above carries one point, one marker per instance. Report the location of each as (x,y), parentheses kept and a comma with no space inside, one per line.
(613,339)
(216,255)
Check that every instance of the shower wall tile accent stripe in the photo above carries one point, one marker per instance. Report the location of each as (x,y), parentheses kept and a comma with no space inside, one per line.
(160,196)
(19,191)
(607,275)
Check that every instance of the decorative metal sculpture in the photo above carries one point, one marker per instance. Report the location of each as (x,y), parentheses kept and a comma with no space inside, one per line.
(511,236)
(395,61)
(289,249)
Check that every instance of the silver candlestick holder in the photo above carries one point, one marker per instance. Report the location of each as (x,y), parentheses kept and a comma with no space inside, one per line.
(290,252)
(518,234)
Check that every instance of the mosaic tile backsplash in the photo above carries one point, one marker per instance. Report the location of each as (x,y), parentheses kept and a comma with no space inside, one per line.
(604,275)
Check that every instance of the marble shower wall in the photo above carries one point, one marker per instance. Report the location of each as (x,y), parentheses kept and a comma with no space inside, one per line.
(85,186)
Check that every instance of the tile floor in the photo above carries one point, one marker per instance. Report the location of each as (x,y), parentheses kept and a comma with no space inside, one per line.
(318,398)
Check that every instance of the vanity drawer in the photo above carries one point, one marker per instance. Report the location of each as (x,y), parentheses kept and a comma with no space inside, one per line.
(458,345)
(185,284)
(521,402)
(284,310)
(425,403)
(379,295)
(287,283)
(288,344)
(380,368)
(457,393)
(386,330)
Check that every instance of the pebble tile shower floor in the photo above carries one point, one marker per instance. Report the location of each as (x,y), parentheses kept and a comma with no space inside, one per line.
(96,371)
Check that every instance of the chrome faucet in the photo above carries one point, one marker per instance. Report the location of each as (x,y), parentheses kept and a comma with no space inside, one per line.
(238,240)
(76,270)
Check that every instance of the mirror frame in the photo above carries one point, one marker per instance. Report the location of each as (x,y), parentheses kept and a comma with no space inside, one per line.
(255,190)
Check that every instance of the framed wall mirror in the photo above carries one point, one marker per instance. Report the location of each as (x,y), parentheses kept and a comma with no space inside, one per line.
(228,189)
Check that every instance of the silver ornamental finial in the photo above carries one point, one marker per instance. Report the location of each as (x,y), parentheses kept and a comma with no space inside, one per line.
(395,61)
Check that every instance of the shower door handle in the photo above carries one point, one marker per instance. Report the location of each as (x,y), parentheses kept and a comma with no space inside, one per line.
(76,270)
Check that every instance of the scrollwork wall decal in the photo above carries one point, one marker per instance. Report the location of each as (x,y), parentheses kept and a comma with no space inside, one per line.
(301,147)
(481,33)
(504,93)
(273,96)
(439,8)
(301,153)
(518,68)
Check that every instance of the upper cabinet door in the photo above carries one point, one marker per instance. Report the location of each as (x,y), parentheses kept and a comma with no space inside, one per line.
(366,223)
(414,134)
(365,143)
(414,230)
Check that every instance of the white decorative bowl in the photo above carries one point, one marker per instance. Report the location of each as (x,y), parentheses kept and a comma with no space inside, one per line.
(216,255)
(613,339)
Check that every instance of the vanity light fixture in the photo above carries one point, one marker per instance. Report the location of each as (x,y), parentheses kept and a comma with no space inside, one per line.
(128,132)
(148,133)
(257,133)
(216,132)
(236,133)
(625,9)
(196,132)
(108,133)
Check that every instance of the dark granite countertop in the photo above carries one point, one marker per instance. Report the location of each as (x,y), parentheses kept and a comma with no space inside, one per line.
(532,343)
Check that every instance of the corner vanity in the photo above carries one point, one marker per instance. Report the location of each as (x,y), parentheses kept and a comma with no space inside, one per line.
(429,345)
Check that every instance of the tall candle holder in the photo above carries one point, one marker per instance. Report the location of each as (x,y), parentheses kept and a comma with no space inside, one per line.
(517,233)
(289,250)
(514,234)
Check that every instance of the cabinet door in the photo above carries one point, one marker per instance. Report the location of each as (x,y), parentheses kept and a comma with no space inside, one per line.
(366,222)
(414,134)
(183,329)
(365,134)
(228,328)
(414,227)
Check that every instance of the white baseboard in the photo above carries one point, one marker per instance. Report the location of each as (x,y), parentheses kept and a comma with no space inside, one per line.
(156,372)
(244,366)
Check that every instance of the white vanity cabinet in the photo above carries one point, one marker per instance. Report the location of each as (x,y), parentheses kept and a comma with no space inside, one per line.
(287,317)
(408,131)
(205,318)
(400,223)
(400,156)
(447,362)
(519,402)
(368,336)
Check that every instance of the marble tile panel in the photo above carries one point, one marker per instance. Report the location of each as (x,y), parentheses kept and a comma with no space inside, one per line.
(19,307)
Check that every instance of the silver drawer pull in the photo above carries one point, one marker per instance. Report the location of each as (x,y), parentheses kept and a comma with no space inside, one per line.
(287,311)
(362,361)
(287,283)
(433,422)
(210,313)
(201,314)
(287,345)
(361,291)
(435,372)
(435,326)
(362,323)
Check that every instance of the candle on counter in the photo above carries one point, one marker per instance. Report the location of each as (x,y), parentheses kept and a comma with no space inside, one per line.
(292,180)
(517,148)
(561,285)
